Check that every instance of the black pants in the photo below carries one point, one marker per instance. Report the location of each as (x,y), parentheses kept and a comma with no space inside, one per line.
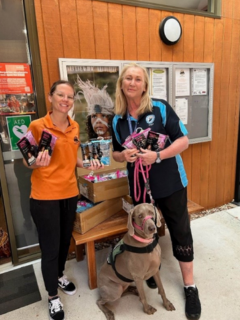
(175,213)
(54,221)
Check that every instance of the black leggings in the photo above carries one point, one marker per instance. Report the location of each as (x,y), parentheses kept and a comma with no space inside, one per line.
(54,221)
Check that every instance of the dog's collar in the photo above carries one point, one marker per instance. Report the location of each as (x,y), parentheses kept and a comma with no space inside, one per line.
(142,239)
(146,249)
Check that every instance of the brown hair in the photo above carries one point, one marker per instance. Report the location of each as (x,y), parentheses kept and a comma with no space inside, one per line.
(57,83)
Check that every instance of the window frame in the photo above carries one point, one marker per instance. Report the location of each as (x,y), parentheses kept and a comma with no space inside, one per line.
(214,7)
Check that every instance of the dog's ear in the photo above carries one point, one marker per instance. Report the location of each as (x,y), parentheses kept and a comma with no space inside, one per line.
(130,225)
(158,217)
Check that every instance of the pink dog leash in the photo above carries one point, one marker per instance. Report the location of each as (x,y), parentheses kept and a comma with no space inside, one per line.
(145,173)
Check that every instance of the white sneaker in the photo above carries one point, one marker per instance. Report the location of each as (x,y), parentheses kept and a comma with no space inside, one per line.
(66,286)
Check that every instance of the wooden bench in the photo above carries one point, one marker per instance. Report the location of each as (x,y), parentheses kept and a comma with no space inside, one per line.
(113,226)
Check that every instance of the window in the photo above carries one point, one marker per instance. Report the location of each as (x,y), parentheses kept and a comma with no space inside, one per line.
(210,8)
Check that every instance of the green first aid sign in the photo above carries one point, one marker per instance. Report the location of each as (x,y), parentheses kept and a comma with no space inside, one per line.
(17,128)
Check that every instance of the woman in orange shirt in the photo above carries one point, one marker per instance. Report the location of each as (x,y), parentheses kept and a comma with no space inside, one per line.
(54,192)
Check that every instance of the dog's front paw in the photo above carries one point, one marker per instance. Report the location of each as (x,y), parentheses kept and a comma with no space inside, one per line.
(109,315)
(169,306)
(149,309)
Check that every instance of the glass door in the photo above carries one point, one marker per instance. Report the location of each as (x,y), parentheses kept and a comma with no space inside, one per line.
(18,107)
(5,249)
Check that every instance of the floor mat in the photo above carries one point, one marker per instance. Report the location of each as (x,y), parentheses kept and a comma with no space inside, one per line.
(18,288)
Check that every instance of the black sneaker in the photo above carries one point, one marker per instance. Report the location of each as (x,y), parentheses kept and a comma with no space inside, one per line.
(193,304)
(55,307)
(66,286)
(151,283)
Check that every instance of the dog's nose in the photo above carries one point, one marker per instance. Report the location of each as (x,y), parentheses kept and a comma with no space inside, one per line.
(151,228)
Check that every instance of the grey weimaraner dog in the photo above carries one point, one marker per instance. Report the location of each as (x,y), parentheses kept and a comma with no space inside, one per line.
(140,260)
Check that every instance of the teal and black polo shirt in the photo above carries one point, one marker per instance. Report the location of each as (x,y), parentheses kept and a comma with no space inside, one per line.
(168,176)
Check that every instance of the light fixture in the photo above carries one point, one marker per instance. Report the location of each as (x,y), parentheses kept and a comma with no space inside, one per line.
(170,30)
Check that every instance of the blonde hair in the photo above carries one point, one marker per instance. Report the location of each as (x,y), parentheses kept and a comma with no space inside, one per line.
(121,101)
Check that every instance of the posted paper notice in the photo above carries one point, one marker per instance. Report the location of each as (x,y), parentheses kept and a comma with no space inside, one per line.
(181,109)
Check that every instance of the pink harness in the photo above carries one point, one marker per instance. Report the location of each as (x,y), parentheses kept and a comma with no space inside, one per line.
(141,228)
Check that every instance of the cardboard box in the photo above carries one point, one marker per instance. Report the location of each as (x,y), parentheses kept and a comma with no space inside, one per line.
(127,203)
(101,191)
(90,218)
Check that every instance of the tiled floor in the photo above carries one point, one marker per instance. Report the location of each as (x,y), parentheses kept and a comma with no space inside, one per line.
(217,275)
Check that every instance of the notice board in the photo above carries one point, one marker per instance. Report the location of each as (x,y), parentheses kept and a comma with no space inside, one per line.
(188,87)
(193,98)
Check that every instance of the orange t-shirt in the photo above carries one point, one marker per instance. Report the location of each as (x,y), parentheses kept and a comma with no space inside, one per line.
(58,180)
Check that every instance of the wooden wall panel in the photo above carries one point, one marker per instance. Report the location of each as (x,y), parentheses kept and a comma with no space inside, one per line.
(188,38)
(90,29)
(116,31)
(208,40)
(85,29)
(217,58)
(69,26)
(167,51)
(155,45)
(236,10)
(129,33)
(232,120)
(205,152)
(199,31)
(142,20)
(178,49)
(228,8)
(42,47)
(224,98)
(101,32)
(53,36)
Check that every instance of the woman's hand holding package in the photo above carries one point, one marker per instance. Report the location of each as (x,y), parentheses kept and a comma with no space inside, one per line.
(148,157)
(95,165)
(130,155)
(43,159)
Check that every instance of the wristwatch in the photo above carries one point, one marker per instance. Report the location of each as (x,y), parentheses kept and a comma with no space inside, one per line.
(158,160)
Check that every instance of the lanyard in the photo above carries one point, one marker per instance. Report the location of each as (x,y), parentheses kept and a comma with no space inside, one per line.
(130,124)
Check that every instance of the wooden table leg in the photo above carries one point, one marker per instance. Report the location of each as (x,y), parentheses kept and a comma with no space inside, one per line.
(91,264)
(79,252)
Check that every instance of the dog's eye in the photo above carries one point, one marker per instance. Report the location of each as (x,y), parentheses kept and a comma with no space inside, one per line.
(140,216)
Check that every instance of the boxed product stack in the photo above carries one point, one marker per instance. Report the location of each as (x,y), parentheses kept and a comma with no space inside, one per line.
(104,191)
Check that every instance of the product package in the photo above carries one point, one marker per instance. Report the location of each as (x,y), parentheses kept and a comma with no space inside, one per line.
(156,141)
(101,150)
(86,154)
(95,178)
(137,140)
(28,147)
(96,149)
(96,152)
(83,205)
(47,142)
